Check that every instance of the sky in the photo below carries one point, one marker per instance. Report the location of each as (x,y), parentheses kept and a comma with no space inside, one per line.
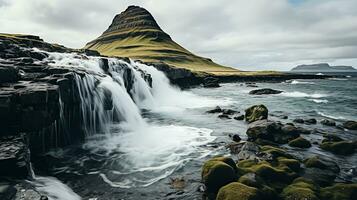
(249,35)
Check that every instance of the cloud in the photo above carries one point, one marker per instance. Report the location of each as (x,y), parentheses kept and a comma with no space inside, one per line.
(255,34)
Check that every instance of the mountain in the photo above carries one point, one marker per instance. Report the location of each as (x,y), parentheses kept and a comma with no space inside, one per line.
(323,67)
(135,33)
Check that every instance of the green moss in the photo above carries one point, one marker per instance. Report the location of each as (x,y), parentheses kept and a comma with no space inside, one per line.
(300,142)
(340,191)
(293,164)
(342,147)
(256,112)
(275,151)
(234,191)
(314,162)
(300,189)
(218,172)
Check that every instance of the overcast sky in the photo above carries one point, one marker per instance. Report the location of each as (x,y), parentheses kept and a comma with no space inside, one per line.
(247,34)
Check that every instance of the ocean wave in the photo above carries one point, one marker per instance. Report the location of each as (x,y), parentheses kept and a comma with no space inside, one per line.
(348,76)
(294,82)
(338,79)
(319,100)
(330,116)
(303,95)
(320,74)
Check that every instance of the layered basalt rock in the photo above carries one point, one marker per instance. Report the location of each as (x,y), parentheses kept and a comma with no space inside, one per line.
(40,104)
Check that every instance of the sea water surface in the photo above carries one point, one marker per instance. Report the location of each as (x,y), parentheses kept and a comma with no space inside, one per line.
(178,136)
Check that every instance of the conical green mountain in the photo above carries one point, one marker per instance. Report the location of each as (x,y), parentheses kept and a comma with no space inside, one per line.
(134,33)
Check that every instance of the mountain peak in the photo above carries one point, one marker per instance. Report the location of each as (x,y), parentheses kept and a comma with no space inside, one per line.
(133,17)
(134,33)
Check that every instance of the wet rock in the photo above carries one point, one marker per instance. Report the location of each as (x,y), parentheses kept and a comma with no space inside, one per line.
(339,191)
(328,122)
(265,91)
(299,121)
(331,138)
(236,138)
(218,172)
(311,121)
(251,84)
(271,131)
(249,151)
(217,109)
(321,163)
(14,157)
(234,191)
(7,191)
(239,117)
(255,113)
(224,116)
(341,147)
(301,189)
(104,64)
(211,82)
(178,183)
(8,73)
(352,125)
(229,111)
(300,142)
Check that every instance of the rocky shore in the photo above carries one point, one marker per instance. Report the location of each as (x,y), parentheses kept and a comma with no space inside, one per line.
(40,106)
(262,168)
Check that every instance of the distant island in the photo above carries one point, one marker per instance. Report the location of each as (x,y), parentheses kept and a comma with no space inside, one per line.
(323,67)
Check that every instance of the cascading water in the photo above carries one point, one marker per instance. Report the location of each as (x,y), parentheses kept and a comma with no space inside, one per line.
(137,153)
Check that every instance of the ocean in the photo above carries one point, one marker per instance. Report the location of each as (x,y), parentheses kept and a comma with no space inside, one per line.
(141,163)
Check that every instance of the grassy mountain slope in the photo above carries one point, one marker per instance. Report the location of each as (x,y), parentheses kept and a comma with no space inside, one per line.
(134,33)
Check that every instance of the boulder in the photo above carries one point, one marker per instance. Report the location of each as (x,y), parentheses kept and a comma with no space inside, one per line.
(341,147)
(331,138)
(224,116)
(234,191)
(265,91)
(321,163)
(352,125)
(328,122)
(271,131)
(300,142)
(229,111)
(301,189)
(339,191)
(310,121)
(239,117)
(218,172)
(255,113)
(236,138)
(299,120)
(217,109)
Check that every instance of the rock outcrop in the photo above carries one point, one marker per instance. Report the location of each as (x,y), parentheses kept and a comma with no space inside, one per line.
(265,91)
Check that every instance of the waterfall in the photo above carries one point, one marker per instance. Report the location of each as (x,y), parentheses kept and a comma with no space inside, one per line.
(112,93)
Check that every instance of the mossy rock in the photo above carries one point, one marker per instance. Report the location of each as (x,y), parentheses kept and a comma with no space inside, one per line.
(314,162)
(252,180)
(218,172)
(320,163)
(331,138)
(235,191)
(293,164)
(275,151)
(339,191)
(300,189)
(255,113)
(342,147)
(300,142)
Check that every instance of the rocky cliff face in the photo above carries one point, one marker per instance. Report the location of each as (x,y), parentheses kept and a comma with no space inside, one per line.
(43,105)
(134,33)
